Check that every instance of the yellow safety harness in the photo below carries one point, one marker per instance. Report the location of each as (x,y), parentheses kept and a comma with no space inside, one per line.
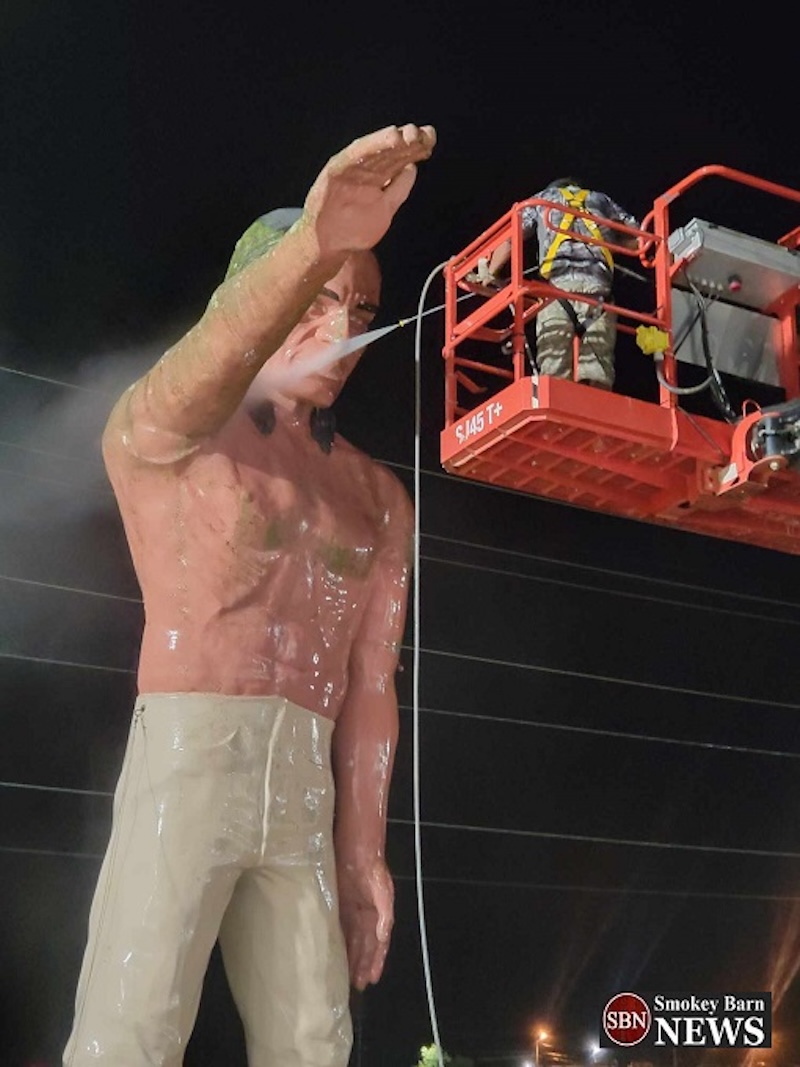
(574,200)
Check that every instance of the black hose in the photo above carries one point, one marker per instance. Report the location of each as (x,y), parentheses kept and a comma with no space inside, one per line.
(716,386)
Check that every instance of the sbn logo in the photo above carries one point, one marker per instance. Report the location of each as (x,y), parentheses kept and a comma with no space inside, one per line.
(627,1019)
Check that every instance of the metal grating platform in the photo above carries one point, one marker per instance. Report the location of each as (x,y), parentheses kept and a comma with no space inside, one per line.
(614,454)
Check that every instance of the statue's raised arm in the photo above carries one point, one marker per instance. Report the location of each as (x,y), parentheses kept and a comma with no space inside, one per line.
(202,379)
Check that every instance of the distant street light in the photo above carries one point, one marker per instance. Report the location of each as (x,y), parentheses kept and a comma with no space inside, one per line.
(541,1039)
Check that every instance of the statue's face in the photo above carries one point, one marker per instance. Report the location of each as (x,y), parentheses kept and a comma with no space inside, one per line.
(343,309)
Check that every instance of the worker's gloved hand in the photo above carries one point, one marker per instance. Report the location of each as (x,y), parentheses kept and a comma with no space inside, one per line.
(483,276)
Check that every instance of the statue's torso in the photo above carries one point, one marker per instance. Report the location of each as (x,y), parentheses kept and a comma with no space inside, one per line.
(254,556)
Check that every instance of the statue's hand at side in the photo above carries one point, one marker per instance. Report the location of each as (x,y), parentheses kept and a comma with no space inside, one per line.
(366,911)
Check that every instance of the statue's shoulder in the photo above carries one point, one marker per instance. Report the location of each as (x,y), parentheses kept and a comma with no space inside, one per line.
(386,485)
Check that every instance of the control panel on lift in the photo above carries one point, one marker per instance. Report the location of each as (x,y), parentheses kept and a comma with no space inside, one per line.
(744,279)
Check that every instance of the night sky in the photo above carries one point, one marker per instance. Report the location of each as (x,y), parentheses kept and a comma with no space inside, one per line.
(608,746)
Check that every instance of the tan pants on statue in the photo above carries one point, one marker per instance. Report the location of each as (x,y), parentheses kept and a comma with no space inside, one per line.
(555,333)
(222,826)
